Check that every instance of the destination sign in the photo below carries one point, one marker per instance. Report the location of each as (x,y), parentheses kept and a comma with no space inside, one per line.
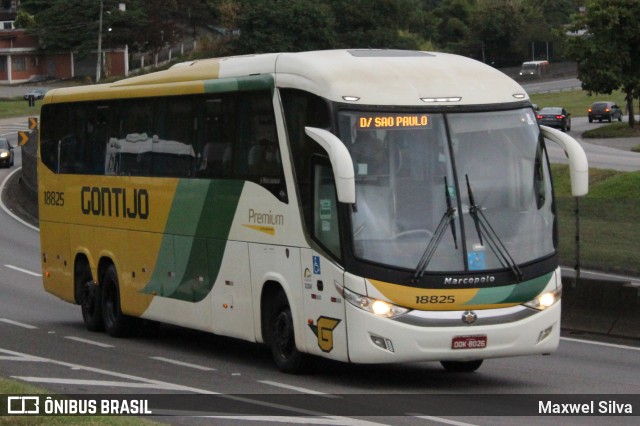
(394,121)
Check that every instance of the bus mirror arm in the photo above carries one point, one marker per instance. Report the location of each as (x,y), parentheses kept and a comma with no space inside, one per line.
(578,163)
(340,161)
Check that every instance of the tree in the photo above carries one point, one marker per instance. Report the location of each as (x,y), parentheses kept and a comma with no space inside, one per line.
(608,54)
(64,25)
(282,25)
(386,24)
(497,24)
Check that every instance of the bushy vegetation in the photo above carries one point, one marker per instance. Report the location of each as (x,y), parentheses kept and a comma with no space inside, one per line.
(499,32)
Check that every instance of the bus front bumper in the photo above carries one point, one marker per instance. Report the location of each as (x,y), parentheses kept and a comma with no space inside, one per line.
(373,339)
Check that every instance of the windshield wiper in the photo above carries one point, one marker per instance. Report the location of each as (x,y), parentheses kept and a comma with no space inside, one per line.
(483,227)
(447,219)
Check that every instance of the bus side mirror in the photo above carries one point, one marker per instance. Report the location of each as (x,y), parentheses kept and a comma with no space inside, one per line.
(341,162)
(578,163)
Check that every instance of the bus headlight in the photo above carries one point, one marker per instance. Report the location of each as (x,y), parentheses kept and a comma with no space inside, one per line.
(545,300)
(375,306)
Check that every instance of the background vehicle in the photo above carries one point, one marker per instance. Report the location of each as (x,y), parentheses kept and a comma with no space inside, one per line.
(534,68)
(397,224)
(6,153)
(37,93)
(555,117)
(604,111)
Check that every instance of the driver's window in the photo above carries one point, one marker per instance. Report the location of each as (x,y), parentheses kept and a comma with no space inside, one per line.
(325,208)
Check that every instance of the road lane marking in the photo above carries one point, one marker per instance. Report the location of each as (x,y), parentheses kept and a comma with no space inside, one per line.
(6,209)
(24,271)
(608,345)
(172,386)
(90,342)
(19,324)
(184,364)
(445,421)
(16,356)
(345,421)
(297,388)
(61,381)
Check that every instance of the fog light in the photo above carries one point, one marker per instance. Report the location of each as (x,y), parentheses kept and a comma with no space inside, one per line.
(383,343)
(544,334)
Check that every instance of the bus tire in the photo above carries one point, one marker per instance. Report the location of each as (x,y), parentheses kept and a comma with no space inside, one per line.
(91,305)
(116,324)
(461,366)
(282,340)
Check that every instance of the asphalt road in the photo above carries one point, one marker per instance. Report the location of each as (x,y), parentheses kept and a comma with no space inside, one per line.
(43,342)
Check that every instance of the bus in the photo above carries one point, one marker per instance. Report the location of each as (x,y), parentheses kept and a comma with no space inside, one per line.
(367,206)
(534,68)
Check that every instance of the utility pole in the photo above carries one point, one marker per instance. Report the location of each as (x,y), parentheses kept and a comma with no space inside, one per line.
(99,61)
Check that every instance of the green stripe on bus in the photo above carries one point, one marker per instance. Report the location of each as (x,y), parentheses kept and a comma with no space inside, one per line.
(195,237)
(235,84)
(516,293)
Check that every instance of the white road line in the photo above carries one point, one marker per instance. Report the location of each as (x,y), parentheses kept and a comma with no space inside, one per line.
(90,342)
(19,324)
(299,420)
(6,209)
(24,271)
(18,357)
(608,345)
(59,381)
(445,421)
(184,364)
(297,388)
(171,386)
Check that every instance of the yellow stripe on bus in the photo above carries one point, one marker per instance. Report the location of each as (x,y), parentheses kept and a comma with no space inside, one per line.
(433,299)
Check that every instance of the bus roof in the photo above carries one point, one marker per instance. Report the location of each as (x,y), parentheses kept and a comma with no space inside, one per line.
(372,76)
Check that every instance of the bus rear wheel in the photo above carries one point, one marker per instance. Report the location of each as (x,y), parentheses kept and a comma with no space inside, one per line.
(91,305)
(461,366)
(282,338)
(116,324)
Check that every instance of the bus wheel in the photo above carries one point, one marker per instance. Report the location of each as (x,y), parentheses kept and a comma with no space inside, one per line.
(91,305)
(282,338)
(116,324)
(461,366)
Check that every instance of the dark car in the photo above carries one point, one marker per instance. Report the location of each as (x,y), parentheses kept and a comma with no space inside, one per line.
(555,117)
(6,153)
(37,93)
(604,111)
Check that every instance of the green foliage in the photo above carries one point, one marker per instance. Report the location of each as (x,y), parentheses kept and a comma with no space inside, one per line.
(608,55)
(282,25)
(499,30)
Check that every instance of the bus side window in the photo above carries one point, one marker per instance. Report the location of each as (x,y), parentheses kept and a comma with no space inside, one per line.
(262,162)
(216,133)
(172,141)
(132,147)
(325,207)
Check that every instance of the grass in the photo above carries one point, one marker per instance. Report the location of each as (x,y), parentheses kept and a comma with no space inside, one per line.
(575,101)
(613,130)
(18,107)
(609,218)
(13,387)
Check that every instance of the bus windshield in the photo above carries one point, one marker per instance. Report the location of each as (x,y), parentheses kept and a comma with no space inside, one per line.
(478,199)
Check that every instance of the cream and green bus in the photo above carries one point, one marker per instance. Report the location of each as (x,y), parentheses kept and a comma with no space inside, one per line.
(368,206)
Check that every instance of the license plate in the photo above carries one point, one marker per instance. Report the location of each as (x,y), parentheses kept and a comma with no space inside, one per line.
(469,342)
